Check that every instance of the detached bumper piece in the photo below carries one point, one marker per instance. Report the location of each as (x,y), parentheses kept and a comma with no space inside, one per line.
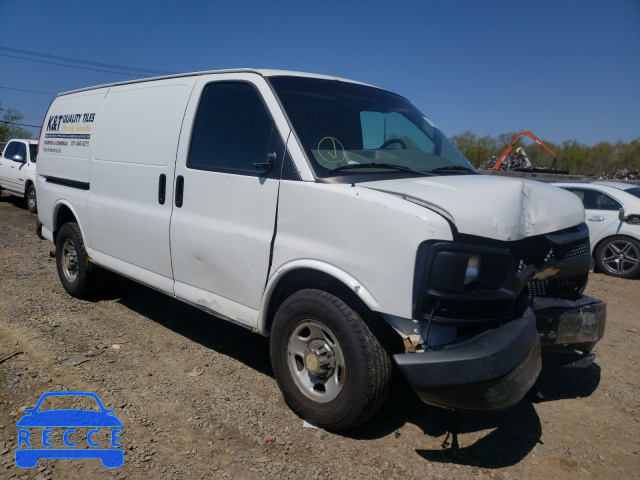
(491,371)
(570,324)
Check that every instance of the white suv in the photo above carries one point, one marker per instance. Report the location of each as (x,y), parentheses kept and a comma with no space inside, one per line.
(18,170)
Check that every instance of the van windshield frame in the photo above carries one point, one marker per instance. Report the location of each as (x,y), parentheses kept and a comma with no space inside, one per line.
(342,125)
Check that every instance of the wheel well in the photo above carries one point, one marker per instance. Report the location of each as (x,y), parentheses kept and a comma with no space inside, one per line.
(600,242)
(27,184)
(63,215)
(303,278)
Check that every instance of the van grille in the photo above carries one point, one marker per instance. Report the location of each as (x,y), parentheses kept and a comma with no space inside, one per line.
(565,287)
(562,288)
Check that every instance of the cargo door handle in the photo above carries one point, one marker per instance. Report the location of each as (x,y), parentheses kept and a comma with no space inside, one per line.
(179,190)
(596,219)
(162,188)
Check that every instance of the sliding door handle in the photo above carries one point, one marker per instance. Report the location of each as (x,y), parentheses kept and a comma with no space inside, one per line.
(162,188)
(179,190)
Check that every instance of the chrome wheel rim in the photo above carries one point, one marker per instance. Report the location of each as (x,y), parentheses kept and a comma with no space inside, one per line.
(69,261)
(620,257)
(316,361)
(32,199)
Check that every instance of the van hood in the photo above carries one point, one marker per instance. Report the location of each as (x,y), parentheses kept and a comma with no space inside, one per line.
(493,207)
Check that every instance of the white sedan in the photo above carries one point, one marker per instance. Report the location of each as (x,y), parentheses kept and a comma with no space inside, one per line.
(613,217)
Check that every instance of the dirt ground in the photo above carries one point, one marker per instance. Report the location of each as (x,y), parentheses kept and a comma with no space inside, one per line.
(198,399)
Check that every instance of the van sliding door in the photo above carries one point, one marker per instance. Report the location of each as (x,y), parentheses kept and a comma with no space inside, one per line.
(134,151)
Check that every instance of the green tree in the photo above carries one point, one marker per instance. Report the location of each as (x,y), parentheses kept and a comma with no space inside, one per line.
(600,158)
(573,156)
(476,150)
(631,155)
(8,129)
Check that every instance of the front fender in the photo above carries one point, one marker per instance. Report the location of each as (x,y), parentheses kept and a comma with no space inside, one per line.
(280,273)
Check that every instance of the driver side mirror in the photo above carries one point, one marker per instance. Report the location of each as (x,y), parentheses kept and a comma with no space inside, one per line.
(18,158)
(621,216)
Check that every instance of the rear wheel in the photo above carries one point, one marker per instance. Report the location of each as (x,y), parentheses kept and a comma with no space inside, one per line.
(77,274)
(619,256)
(331,368)
(32,203)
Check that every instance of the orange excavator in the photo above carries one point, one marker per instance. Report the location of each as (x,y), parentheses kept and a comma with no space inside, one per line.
(520,162)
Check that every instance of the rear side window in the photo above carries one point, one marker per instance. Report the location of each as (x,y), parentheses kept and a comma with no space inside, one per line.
(33,152)
(232,129)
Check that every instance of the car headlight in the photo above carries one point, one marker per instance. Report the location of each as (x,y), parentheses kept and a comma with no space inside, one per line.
(452,271)
(473,270)
(454,277)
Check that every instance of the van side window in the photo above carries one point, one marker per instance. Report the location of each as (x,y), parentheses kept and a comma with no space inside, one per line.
(232,130)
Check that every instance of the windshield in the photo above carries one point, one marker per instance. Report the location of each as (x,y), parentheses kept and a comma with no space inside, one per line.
(350,129)
(635,191)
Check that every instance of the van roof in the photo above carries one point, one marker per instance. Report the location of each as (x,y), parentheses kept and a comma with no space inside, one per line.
(262,72)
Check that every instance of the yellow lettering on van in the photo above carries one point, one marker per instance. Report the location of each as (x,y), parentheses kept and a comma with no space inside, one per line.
(83,128)
(67,129)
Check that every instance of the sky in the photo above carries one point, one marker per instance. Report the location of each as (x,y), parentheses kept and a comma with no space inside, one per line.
(565,70)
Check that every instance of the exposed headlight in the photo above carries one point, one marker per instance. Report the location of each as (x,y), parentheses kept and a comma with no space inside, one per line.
(453,271)
(473,270)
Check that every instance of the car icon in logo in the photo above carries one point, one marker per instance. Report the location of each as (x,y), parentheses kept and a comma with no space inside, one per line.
(65,422)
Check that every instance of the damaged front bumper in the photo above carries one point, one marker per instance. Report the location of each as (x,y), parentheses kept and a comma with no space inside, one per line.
(493,370)
(569,324)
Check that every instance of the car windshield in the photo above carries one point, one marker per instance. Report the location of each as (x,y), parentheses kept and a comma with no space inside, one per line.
(350,129)
(635,191)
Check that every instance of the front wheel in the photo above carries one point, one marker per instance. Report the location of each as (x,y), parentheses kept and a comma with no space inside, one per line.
(330,367)
(619,257)
(32,203)
(77,274)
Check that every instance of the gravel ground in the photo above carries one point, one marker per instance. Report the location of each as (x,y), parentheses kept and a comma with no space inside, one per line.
(198,399)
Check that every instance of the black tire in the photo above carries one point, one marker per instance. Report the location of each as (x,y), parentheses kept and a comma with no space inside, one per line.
(356,387)
(32,201)
(76,272)
(619,256)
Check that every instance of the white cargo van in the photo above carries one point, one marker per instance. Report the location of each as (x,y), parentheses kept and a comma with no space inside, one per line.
(18,170)
(333,217)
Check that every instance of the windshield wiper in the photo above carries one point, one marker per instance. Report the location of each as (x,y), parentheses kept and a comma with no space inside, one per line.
(379,165)
(455,168)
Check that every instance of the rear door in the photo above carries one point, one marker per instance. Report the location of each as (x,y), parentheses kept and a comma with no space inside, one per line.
(6,162)
(224,216)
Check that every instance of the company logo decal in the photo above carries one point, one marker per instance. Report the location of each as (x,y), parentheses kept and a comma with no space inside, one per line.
(71,130)
(74,433)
